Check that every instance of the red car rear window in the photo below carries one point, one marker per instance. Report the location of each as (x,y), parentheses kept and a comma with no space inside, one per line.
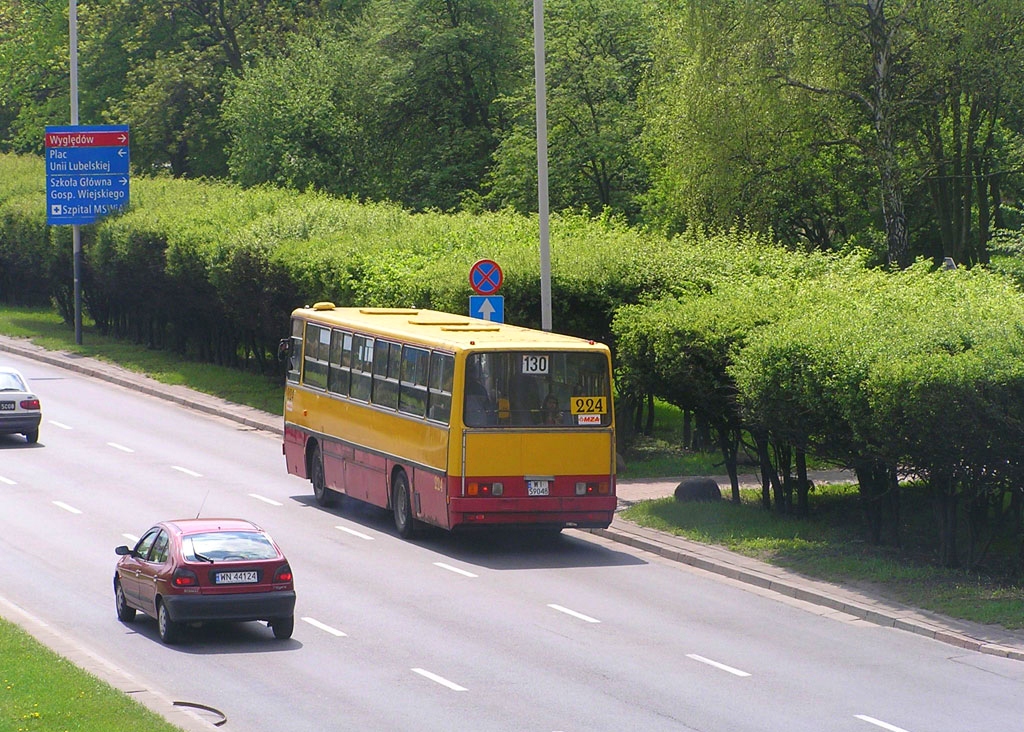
(227,546)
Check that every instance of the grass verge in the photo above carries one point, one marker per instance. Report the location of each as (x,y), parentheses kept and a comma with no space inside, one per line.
(829,545)
(46,329)
(43,692)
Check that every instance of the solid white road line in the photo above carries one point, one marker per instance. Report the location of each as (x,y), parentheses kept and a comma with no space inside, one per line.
(439,679)
(66,507)
(360,534)
(450,568)
(325,628)
(879,723)
(575,614)
(271,501)
(716,664)
(186,471)
(122,448)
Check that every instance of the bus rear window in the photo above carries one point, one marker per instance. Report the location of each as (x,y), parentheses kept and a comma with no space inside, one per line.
(537,389)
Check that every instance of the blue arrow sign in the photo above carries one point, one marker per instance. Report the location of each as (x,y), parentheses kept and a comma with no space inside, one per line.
(487,307)
(86,172)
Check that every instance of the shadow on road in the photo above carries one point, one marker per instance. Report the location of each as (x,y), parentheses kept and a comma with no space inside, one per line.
(498,548)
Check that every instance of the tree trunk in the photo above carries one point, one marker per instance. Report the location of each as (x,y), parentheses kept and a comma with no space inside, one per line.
(803,508)
(728,443)
(880,37)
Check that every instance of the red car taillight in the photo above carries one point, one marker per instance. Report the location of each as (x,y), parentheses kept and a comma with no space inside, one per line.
(283,574)
(30,404)
(184,578)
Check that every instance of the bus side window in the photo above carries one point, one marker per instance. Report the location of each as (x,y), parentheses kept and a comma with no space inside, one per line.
(439,397)
(362,367)
(386,366)
(412,395)
(294,352)
(314,370)
(339,373)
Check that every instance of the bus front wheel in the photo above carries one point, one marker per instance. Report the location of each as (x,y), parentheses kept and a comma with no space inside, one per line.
(321,492)
(400,499)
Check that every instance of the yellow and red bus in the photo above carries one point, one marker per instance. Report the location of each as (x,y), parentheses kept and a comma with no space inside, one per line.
(450,421)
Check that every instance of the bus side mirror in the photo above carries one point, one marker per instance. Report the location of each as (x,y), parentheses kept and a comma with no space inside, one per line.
(284,349)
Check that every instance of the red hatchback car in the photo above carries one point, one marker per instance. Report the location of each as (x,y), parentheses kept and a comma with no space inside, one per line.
(192,571)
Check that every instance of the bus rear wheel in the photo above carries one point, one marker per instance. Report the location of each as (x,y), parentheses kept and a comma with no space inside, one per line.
(321,492)
(402,506)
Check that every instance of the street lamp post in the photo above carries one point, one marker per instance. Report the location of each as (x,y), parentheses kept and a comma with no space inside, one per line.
(76,234)
(542,162)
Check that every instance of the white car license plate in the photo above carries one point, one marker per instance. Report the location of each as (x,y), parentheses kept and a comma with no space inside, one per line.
(7,406)
(536,487)
(234,578)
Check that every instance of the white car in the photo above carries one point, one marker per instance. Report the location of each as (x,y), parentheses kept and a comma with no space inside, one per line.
(19,407)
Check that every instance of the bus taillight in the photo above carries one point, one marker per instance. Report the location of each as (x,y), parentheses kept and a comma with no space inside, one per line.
(484,489)
(589,489)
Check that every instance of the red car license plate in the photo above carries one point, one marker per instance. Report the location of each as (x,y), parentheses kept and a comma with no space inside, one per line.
(235,578)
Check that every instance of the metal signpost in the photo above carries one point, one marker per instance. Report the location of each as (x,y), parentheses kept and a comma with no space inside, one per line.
(86,170)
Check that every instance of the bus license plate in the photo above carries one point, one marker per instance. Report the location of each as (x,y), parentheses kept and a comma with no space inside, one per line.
(536,487)
(234,578)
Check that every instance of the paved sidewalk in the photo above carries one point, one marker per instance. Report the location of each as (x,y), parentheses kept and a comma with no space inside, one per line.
(852,602)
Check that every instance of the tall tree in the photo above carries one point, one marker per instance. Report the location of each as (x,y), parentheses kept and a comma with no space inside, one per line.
(728,144)
(34,62)
(965,132)
(168,63)
(597,52)
(399,104)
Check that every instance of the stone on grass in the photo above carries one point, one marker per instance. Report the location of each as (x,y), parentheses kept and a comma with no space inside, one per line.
(698,489)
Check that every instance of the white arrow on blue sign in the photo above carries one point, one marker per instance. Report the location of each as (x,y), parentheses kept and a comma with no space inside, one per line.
(487,307)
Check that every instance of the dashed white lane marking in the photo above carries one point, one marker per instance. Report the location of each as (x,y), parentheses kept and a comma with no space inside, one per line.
(450,568)
(575,614)
(325,628)
(63,426)
(186,471)
(131,537)
(8,481)
(360,534)
(716,664)
(271,501)
(66,507)
(879,723)
(439,679)
(120,447)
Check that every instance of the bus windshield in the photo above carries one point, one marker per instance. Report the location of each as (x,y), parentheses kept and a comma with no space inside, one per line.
(537,389)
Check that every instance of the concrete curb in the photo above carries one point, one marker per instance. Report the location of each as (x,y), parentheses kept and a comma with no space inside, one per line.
(805,589)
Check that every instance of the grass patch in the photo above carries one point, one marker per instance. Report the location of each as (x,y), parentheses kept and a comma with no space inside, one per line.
(662,455)
(46,329)
(830,546)
(44,692)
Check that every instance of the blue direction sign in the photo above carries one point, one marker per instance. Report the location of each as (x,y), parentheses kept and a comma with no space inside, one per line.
(487,307)
(86,172)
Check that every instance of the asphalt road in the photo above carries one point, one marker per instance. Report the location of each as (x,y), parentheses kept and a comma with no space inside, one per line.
(441,634)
